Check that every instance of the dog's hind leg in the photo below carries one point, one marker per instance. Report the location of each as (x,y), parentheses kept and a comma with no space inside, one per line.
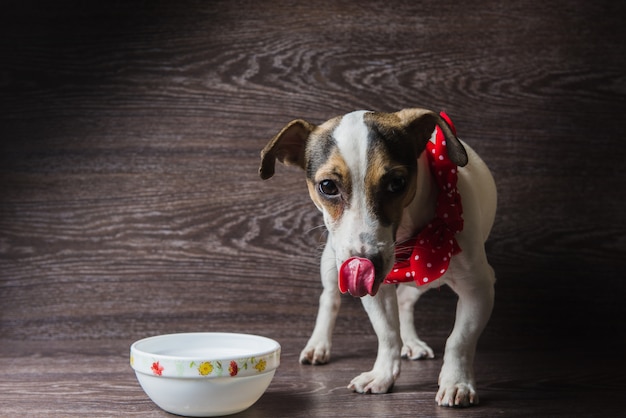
(317,350)
(413,347)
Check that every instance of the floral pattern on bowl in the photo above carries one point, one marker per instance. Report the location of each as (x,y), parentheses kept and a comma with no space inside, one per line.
(146,358)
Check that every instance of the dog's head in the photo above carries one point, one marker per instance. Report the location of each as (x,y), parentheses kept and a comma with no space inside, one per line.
(361,171)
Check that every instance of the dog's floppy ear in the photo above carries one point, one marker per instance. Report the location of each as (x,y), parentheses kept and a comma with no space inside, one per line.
(421,123)
(287,147)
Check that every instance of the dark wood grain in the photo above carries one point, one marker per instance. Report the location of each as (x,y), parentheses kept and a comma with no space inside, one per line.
(130,203)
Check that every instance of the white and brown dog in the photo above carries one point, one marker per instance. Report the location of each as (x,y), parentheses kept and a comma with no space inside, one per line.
(369,174)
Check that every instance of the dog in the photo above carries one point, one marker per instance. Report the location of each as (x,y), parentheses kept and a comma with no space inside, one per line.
(374,176)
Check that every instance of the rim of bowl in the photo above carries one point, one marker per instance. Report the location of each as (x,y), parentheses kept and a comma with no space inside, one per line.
(144,361)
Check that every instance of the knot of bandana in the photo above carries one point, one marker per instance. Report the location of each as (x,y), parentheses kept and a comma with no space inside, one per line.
(426,257)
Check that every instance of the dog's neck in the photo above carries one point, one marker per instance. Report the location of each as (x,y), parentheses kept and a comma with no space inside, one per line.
(421,210)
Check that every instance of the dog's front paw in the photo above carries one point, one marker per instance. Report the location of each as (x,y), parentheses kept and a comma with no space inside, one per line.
(415,349)
(315,354)
(373,382)
(456,394)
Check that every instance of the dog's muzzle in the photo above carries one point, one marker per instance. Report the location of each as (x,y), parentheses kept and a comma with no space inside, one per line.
(357,276)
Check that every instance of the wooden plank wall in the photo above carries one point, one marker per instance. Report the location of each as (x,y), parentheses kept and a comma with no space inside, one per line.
(130,202)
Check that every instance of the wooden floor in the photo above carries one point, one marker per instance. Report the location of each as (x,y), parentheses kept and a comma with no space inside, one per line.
(130,203)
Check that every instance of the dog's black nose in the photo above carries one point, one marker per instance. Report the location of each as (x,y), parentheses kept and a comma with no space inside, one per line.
(377,261)
(369,250)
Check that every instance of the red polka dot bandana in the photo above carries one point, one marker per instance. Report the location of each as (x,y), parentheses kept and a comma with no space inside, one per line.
(426,257)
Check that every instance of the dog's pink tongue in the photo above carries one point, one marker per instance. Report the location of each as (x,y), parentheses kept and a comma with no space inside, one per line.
(357,276)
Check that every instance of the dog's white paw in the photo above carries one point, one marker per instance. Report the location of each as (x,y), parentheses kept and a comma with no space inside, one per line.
(315,354)
(415,349)
(373,382)
(456,395)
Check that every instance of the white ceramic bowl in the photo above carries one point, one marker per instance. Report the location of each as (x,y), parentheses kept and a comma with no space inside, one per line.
(205,374)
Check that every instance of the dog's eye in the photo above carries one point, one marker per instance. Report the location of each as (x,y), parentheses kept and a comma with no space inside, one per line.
(396,185)
(328,188)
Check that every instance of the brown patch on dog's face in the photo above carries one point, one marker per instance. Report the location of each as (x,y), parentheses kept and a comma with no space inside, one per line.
(391,186)
(331,186)
(392,168)
(320,147)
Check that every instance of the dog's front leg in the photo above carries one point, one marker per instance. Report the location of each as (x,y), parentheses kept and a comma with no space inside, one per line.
(382,310)
(317,350)
(456,380)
